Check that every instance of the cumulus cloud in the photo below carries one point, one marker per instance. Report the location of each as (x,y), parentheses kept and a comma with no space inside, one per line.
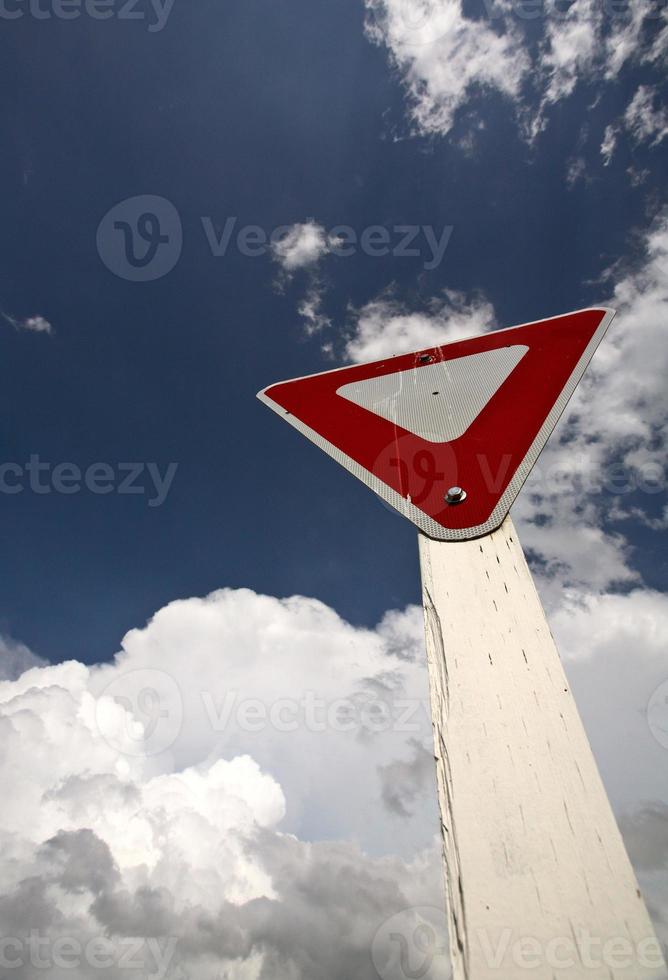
(181,857)
(160,795)
(446,57)
(607,456)
(385,327)
(187,804)
(614,650)
(404,781)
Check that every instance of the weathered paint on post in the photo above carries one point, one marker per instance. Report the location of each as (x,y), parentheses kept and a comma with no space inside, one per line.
(537,873)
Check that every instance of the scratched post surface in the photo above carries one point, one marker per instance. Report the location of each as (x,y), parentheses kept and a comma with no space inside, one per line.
(533,854)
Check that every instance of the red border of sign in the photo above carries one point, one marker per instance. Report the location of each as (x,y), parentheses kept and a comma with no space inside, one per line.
(486,459)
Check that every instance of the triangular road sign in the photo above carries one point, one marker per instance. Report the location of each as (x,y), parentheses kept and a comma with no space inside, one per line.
(470,417)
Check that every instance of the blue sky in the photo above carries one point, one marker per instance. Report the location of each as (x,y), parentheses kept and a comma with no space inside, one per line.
(534,149)
(272,115)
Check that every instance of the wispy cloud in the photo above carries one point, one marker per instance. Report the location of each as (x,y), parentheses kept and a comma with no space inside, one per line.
(310,309)
(645,120)
(446,58)
(443,56)
(31,324)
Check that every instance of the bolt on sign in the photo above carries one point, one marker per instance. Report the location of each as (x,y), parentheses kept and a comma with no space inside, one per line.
(448,435)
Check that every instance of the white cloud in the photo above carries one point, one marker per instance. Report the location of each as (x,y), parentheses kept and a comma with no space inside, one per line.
(644,121)
(300,743)
(33,324)
(310,310)
(37,324)
(614,432)
(227,837)
(612,438)
(268,719)
(302,246)
(445,57)
(384,327)
(659,50)
(262,718)
(570,47)
(576,170)
(189,846)
(614,648)
(608,145)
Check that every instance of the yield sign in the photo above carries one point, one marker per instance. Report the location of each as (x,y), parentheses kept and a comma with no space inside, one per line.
(470,417)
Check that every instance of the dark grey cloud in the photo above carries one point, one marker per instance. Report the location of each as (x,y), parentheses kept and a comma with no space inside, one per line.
(330,902)
(403,781)
(15,658)
(646,836)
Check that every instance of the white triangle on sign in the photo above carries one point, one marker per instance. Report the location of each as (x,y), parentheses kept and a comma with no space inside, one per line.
(437,402)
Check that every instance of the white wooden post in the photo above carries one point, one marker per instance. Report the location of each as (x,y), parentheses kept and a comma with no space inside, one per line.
(538,880)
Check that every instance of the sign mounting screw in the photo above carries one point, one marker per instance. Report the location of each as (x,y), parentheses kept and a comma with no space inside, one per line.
(455,495)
